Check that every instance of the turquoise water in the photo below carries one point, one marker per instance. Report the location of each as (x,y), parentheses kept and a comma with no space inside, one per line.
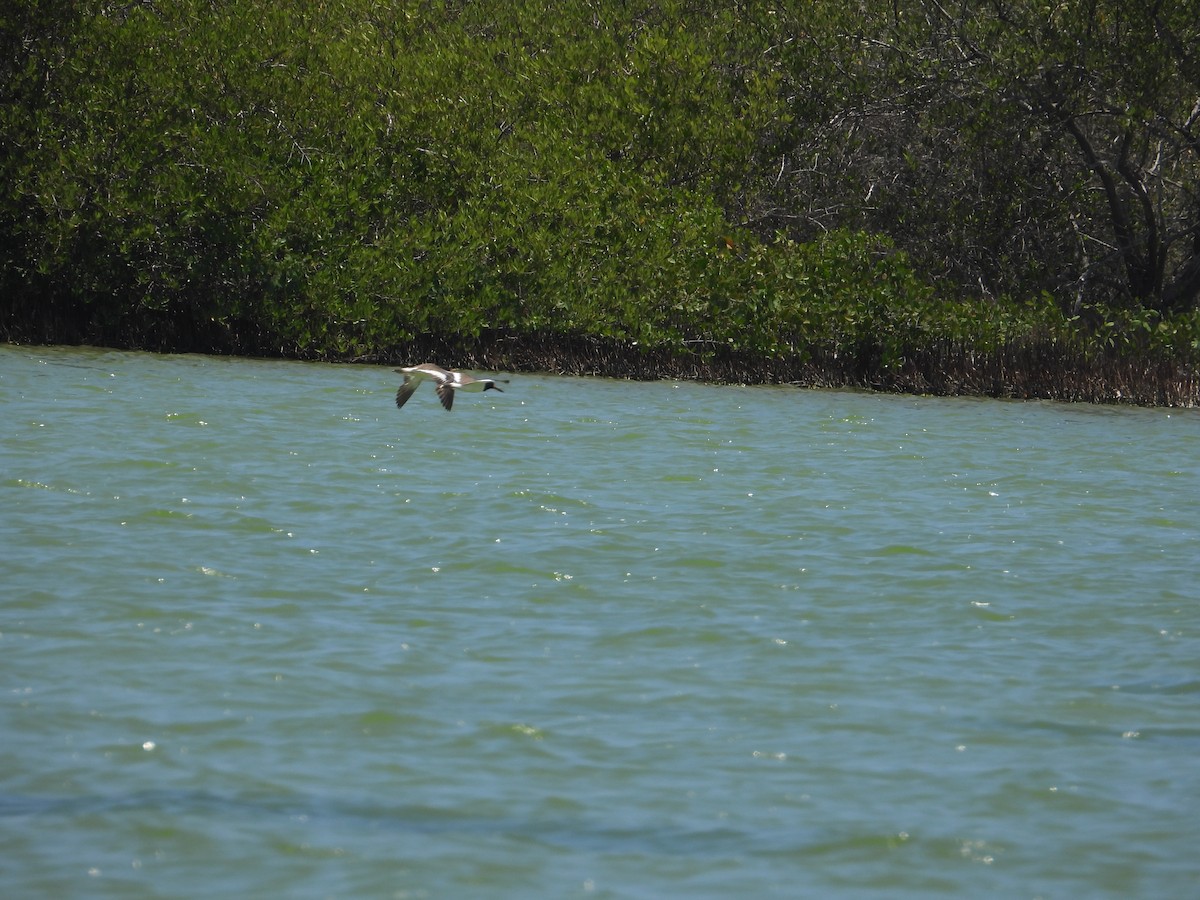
(264,635)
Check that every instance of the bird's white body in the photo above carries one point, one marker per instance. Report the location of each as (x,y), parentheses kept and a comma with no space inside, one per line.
(446,381)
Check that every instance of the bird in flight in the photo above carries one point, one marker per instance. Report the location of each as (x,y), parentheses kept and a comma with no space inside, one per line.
(446,383)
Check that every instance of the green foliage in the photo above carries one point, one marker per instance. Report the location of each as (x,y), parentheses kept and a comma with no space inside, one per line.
(1010,147)
(822,182)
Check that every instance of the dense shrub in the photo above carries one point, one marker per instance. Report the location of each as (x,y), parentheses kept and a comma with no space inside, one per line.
(851,187)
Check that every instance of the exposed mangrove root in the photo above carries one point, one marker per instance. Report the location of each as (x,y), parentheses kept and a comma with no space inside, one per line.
(1026,371)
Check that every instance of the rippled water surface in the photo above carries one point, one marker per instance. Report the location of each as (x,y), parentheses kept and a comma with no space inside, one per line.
(264,635)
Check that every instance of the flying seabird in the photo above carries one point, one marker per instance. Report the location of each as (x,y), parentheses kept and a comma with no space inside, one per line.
(447,383)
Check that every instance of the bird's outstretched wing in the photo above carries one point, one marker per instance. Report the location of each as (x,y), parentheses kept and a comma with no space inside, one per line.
(405,391)
(446,394)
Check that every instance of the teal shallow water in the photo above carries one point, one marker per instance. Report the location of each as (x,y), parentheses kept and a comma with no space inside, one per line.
(262,634)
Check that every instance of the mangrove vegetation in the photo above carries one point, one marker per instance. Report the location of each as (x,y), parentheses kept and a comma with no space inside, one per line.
(980,196)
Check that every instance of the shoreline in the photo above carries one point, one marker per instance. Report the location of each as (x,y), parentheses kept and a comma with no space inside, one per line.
(1020,371)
